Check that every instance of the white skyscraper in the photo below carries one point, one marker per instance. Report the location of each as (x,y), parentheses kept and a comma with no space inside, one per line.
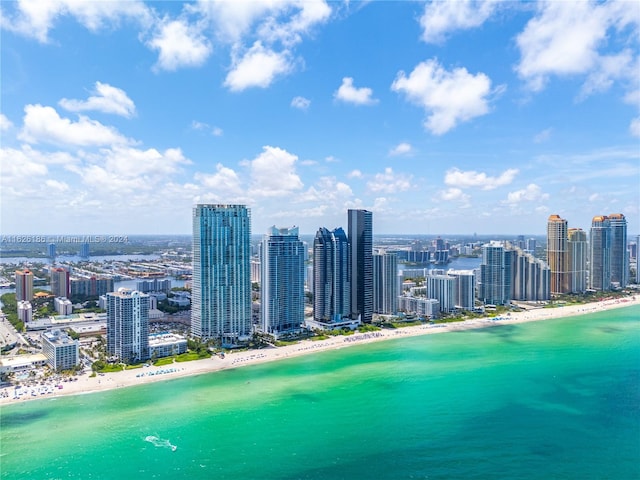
(221,292)
(128,325)
(282,285)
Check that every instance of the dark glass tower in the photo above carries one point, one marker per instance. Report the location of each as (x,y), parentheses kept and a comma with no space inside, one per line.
(360,227)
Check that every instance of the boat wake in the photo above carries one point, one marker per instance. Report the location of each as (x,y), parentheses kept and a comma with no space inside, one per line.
(159,442)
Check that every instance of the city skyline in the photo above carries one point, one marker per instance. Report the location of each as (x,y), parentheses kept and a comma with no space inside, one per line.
(461,116)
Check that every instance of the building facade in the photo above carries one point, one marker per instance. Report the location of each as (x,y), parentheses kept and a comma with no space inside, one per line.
(360,230)
(465,288)
(90,287)
(221,288)
(331,287)
(578,254)
(62,352)
(24,285)
(495,274)
(282,287)
(128,325)
(385,283)
(619,254)
(25,311)
(558,253)
(600,253)
(60,283)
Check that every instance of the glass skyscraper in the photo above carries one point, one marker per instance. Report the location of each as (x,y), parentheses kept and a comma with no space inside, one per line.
(221,291)
(495,274)
(600,253)
(385,283)
(282,281)
(578,252)
(331,288)
(360,228)
(619,255)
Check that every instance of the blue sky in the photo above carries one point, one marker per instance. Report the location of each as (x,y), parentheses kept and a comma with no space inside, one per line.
(441,118)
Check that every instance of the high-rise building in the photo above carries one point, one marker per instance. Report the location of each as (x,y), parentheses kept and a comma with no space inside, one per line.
(530,277)
(638,259)
(442,288)
(51,250)
(221,289)
(558,254)
(578,254)
(62,352)
(600,253)
(619,254)
(282,286)
(25,311)
(84,250)
(128,325)
(360,227)
(495,274)
(385,283)
(465,288)
(331,287)
(24,285)
(90,287)
(60,283)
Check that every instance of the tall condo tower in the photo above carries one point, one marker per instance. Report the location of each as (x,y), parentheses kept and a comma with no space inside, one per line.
(60,283)
(385,283)
(282,285)
(600,253)
(24,285)
(619,255)
(331,292)
(557,254)
(495,274)
(128,325)
(221,292)
(360,227)
(578,254)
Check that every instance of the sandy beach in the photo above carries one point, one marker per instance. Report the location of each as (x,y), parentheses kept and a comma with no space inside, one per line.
(87,384)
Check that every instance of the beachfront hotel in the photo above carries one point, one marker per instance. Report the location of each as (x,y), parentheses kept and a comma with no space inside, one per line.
(128,325)
(221,287)
(62,352)
(360,236)
(558,253)
(495,274)
(282,286)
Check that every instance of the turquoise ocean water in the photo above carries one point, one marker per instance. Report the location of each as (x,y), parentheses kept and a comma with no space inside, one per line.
(557,399)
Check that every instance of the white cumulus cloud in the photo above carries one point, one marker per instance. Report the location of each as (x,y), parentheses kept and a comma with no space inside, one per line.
(273,173)
(180,44)
(34,18)
(530,193)
(225,181)
(350,94)
(448,97)
(5,123)
(454,194)
(258,67)
(564,38)
(441,17)
(43,124)
(457,178)
(390,182)
(106,99)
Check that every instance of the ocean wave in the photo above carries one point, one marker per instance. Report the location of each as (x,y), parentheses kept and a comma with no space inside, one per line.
(160,442)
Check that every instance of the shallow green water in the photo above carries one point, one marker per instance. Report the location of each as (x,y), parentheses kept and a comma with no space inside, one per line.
(558,399)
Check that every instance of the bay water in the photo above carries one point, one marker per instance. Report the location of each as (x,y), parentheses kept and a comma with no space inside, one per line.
(555,399)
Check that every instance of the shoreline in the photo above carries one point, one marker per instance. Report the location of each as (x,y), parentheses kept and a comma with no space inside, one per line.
(140,376)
